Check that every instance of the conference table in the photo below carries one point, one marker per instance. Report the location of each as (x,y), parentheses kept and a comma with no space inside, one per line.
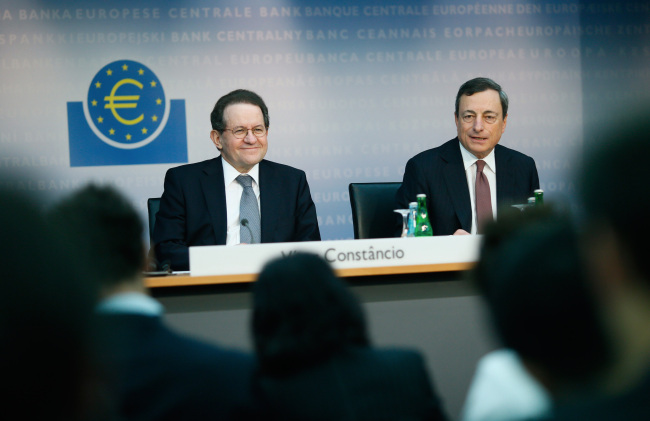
(415,294)
(213,265)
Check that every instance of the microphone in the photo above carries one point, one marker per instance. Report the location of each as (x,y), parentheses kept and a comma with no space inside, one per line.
(152,262)
(154,265)
(244,223)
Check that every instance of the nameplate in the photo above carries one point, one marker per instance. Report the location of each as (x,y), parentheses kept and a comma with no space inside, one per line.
(341,254)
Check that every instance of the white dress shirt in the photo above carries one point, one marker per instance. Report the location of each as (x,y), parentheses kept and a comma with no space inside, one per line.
(130,303)
(490,171)
(234,191)
(502,389)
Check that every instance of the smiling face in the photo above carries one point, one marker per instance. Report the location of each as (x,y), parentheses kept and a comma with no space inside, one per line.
(244,153)
(480,122)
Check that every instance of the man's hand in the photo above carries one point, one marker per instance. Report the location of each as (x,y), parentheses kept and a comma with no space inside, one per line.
(461,232)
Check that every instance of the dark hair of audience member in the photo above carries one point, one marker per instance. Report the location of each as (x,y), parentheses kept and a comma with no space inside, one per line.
(105,230)
(46,321)
(303,314)
(532,276)
(613,186)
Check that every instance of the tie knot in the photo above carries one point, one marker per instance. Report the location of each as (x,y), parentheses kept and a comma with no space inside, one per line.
(480,164)
(245,180)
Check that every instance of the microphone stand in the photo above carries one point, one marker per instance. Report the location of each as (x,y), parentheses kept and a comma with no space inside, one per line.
(244,223)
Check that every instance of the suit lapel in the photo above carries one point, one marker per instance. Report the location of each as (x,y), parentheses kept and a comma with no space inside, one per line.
(269,194)
(212,185)
(504,175)
(456,181)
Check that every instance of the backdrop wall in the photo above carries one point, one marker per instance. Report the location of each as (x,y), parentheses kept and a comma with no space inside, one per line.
(354,88)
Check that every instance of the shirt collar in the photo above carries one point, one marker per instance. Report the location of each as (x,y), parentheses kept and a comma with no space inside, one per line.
(130,303)
(230,173)
(469,159)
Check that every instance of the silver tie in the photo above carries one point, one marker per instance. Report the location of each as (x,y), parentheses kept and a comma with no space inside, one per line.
(249,214)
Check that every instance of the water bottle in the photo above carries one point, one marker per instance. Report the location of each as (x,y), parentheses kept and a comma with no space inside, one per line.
(423,226)
(412,219)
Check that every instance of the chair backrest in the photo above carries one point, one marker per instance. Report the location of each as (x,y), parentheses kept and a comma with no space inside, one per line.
(372,209)
(153,204)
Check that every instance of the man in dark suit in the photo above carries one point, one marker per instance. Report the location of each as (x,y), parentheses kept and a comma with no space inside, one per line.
(154,372)
(201,202)
(448,174)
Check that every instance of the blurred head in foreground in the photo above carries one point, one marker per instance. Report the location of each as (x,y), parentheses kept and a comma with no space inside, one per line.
(612,185)
(532,276)
(105,231)
(46,320)
(303,314)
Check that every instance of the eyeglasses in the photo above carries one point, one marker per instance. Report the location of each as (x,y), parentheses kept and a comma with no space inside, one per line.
(241,132)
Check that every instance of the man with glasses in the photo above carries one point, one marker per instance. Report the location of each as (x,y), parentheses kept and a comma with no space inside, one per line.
(236,198)
(468,177)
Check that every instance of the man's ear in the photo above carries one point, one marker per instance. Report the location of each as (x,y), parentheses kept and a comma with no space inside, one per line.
(216,139)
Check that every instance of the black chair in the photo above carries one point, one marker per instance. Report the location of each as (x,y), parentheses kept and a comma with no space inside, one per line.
(153,204)
(372,209)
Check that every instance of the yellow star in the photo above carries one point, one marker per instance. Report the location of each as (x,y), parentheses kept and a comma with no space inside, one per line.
(128,137)
(111,131)
(109,72)
(94,103)
(153,83)
(144,130)
(154,118)
(159,101)
(100,119)
(140,72)
(125,67)
(98,85)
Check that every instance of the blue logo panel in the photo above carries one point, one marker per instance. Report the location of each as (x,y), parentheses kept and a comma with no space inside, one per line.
(86,149)
(126,120)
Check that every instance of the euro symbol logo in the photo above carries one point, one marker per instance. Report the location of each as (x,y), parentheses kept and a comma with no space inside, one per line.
(113,106)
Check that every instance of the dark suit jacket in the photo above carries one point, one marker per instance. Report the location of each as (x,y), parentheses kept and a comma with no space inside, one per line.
(358,384)
(193,209)
(157,374)
(440,174)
